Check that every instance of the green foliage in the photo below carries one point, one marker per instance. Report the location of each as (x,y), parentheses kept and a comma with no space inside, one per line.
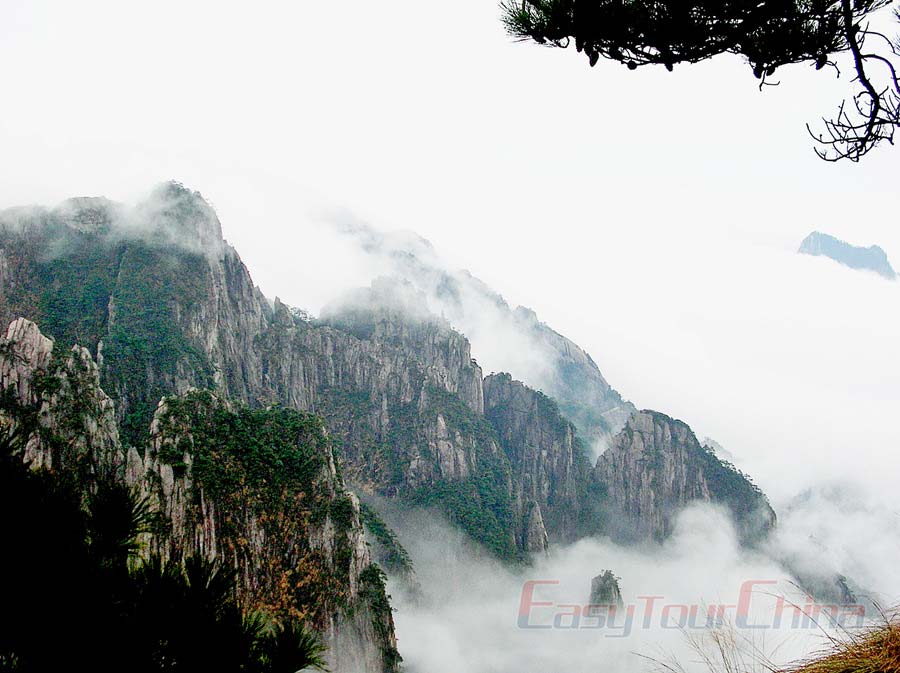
(70,381)
(186,617)
(393,555)
(735,489)
(117,516)
(266,469)
(479,507)
(85,608)
(359,323)
(267,450)
(350,415)
(458,415)
(147,346)
(579,399)
(293,647)
(344,403)
(372,582)
(481,504)
(75,287)
(130,294)
(549,411)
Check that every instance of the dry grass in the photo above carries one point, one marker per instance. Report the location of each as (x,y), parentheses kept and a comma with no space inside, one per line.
(874,651)
(726,650)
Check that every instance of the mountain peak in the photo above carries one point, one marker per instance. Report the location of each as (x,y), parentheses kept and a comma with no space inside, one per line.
(872,258)
(177,215)
(89,214)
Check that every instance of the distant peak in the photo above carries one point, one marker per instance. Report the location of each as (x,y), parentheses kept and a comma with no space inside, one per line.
(872,258)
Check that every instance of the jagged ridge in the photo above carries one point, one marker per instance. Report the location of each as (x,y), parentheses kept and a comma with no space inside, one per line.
(398,387)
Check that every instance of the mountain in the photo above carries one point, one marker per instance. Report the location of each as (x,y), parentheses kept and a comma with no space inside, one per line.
(872,258)
(655,466)
(507,339)
(169,309)
(247,422)
(549,461)
(259,490)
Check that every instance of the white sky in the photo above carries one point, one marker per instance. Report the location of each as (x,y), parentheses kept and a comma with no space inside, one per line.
(651,217)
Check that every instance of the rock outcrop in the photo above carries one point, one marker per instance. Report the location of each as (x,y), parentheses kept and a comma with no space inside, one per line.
(184,342)
(294,533)
(56,400)
(656,466)
(583,394)
(605,590)
(548,462)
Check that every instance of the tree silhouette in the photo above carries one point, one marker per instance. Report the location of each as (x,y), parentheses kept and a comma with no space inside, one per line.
(768,33)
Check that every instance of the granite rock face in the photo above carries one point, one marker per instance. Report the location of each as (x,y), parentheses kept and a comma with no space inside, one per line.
(165,306)
(69,421)
(534,537)
(273,543)
(872,258)
(576,383)
(70,426)
(655,467)
(529,349)
(396,385)
(548,462)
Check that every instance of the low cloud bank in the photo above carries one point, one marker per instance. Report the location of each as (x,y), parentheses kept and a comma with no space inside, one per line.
(788,361)
(469,613)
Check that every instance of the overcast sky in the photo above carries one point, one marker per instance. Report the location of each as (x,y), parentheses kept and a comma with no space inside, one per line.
(652,217)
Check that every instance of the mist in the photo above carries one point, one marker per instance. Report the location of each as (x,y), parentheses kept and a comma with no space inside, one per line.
(465,613)
(650,217)
(786,361)
(809,345)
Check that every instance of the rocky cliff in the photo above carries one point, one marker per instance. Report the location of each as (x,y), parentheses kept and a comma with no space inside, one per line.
(54,398)
(656,466)
(166,306)
(163,315)
(529,349)
(575,382)
(257,490)
(548,461)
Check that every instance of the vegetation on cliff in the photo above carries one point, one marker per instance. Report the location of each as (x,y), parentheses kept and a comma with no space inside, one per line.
(265,470)
(479,504)
(90,287)
(393,556)
(80,543)
(146,343)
